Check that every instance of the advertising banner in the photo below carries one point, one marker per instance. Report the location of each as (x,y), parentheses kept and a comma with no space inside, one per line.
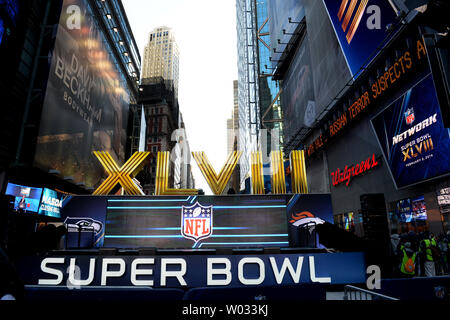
(86,102)
(298,93)
(361,26)
(412,136)
(187,271)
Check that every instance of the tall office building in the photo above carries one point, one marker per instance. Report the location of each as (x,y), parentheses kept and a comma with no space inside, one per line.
(233,122)
(161,56)
(233,138)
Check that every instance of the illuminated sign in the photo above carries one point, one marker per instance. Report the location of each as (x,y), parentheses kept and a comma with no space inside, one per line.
(348,173)
(51,203)
(412,135)
(194,270)
(398,70)
(443,197)
(124,175)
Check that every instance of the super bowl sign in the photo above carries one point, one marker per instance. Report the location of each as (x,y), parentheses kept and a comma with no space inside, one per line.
(412,136)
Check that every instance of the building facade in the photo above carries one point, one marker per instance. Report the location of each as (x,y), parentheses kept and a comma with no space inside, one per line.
(165,131)
(353,100)
(161,56)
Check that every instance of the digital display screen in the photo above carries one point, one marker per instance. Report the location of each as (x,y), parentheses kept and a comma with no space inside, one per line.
(418,208)
(197,222)
(412,136)
(26,198)
(51,203)
(86,102)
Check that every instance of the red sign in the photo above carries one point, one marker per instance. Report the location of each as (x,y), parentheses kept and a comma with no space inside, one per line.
(347,174)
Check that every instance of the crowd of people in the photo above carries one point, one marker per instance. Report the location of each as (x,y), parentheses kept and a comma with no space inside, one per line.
(420,254)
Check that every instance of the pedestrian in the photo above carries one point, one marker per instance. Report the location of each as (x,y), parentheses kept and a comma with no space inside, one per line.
(408,261)
(429,253)
(395,241)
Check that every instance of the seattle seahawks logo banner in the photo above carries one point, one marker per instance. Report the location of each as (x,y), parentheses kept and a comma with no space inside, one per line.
(196,222)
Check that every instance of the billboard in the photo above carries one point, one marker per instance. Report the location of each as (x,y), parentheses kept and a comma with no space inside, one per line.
(412,136)
(26,198)
(361,26)
(279,13)
(86,102)
(298,93)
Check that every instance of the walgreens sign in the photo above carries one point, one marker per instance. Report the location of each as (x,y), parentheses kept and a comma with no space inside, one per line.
(345,176)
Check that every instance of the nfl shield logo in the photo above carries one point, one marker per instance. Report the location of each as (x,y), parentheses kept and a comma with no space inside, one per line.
(409,116)
(196,222)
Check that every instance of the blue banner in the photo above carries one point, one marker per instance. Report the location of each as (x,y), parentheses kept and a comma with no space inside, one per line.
(361,27)
(191,271)
(412,136)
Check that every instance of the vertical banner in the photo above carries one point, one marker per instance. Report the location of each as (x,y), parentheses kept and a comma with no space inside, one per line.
(86,102)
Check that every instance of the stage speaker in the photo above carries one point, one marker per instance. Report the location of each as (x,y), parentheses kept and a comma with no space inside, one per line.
(374,214)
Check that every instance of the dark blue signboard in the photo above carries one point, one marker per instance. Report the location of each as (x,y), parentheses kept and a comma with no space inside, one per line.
(189,271)
(361,27)
(412,136)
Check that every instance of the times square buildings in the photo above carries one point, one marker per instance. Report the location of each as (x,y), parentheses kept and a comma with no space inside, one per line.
(363,91)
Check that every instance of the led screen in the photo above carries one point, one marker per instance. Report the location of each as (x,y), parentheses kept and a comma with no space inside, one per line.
(197,222)
(412,136)
(86,102)
(26,198)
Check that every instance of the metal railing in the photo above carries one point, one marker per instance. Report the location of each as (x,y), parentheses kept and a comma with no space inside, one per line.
(355,293)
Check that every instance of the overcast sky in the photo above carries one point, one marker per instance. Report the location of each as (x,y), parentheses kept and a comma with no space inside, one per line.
(205,31)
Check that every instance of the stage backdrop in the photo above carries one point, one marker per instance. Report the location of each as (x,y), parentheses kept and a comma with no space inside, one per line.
(197,221)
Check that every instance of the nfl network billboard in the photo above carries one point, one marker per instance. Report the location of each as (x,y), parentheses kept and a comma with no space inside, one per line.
(86,102)
(361,26)
(412,136)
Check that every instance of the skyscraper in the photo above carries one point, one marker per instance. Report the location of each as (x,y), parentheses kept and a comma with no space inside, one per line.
(233,122)
(259,94)
(161,56)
